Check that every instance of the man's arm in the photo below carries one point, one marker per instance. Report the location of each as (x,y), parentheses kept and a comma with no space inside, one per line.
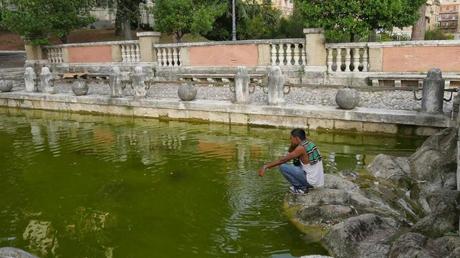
(292,155)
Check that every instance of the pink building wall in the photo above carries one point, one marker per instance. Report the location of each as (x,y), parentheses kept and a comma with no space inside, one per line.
(421,58)
(90,54)
(224,55)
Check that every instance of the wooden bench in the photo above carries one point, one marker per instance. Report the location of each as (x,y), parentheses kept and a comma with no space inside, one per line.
(222,77)
(398,79)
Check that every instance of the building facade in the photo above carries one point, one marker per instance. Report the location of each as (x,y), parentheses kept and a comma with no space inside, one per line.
(432,16)
(449,20)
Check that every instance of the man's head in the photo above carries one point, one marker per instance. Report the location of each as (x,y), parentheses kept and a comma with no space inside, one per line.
(297,136)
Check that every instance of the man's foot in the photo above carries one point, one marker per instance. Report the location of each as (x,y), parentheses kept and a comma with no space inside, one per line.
(294,190)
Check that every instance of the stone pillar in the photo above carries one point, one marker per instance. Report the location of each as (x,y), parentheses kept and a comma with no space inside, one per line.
(115,83)
(315,48)
(242,85)
(116,53)
(29,79)
(139,82)
(146,42)
(33,52)
(375,58)
(433,92)
(276,82)
(46,84)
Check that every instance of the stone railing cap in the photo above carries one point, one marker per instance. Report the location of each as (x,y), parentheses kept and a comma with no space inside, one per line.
(313,31)
(149,34)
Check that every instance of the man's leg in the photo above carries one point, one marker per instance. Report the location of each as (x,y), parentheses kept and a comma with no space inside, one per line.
(294,175)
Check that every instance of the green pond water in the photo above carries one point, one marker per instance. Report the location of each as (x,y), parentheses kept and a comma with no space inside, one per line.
(76,185)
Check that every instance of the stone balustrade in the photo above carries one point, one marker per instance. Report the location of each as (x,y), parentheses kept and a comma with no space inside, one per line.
(55,54)
(288,52)
(130,51)
(168,55)
(347,57)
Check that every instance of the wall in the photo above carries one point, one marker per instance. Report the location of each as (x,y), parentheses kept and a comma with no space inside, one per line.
(421,59)
(90,54)
(224,55)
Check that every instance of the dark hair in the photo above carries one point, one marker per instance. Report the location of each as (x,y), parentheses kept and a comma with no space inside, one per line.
(299,133)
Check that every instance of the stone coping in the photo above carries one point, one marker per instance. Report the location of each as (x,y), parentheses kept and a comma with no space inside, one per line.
(349,45)
(238,42)
(426,43)
(102,43)
(148,34)
(12,52)
(222,111)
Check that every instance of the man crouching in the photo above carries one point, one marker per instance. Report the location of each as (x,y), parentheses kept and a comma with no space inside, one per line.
(309,174)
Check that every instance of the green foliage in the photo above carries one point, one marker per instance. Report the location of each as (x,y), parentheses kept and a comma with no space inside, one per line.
(187,16)
(437,34)
(354,20)
(36,20)
(254,20)
(290,27)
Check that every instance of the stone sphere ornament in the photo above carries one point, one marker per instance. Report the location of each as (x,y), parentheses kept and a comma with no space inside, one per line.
(6,86)
(80,87)
(187,92)
(347,98)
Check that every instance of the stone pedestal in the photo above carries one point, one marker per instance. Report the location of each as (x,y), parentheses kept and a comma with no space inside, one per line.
(146,42)
(315,47)
(433,92)
(242,80)
(276,82)
(139,86)
(115,83)
(46,81)
(29,79)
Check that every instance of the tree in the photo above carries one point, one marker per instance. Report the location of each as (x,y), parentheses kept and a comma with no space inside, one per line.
(254,20)
(353,20)
(419,28)
(36,20)
(187,16)
(127,15)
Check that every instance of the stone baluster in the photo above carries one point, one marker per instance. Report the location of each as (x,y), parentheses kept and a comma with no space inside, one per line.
(296,54)
(159,56)
(281,54)
(330,59)
(131,53)
(365,59)
(165,57)
(273,54)
(29,79)
(178,61)
(123,53)
(355,59)
(275,86)
(242,85)
(137,53)
(288,54)
(173,56)
(347,59)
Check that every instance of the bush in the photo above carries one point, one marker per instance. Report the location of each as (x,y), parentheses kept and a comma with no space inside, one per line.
(437,34)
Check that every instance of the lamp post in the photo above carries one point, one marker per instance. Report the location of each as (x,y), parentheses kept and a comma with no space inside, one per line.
(233,20)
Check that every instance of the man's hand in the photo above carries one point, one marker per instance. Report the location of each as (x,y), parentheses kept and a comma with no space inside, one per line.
(262,171)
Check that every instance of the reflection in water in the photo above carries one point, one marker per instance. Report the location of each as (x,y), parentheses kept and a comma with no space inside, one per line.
(123,187)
